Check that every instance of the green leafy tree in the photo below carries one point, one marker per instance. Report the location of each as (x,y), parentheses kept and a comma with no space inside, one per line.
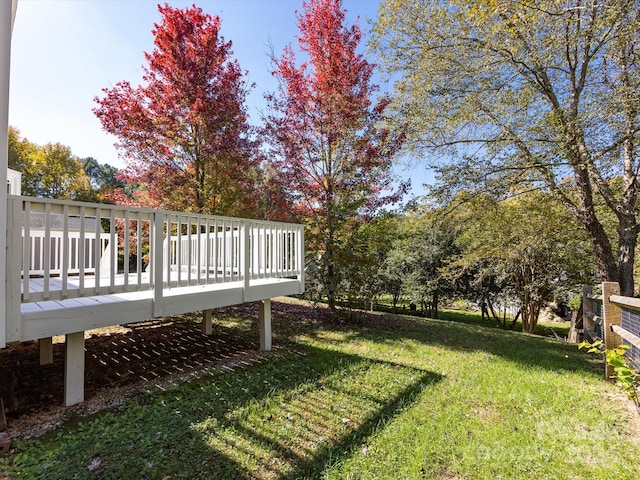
(104,182)
(529,240)
(103,177)
(393,273)
(426,244)
(546,93)
(19,151)
(361,280)
(52,171)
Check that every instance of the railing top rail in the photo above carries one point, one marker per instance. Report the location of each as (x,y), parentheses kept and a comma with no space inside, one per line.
(593,296)
(170,213)
(626,302)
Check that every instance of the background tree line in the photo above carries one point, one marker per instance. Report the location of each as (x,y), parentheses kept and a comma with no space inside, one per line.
(521,253)
(53,171)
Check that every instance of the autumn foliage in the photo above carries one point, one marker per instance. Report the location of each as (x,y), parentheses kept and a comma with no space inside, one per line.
(325,128)
(184,133)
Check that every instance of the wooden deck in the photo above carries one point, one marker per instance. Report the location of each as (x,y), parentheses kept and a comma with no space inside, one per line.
(48,318)
(75,266)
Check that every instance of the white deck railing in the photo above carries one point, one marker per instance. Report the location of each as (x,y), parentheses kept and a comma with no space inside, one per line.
(81,249)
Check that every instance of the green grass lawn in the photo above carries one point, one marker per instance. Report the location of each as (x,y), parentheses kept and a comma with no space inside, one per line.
(387,398)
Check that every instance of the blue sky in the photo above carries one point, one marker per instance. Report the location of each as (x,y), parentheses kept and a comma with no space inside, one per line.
(65,51)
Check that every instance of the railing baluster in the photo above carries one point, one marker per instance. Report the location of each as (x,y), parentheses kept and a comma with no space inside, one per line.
(238,251)
(47,250)
(249,246)
(126,253)
(265,252)
(81,250)
(189,250)
(157,259)
(65,250)
(198,241)
(26,251)
(272,249)
(207,248)
(224,250)
(179,249)
(97,250)
(139,248)
(216,249)
(245,253)
(285,250)
(260,248)
(289,251)
(113,250)
(173,249)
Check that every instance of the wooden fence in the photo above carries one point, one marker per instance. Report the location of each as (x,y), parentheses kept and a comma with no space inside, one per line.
(614,319)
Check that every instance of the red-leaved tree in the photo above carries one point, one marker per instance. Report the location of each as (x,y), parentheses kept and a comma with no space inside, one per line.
(184,133)
(328,138)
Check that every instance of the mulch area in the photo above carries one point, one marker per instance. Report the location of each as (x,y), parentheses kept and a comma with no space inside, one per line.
(115,358)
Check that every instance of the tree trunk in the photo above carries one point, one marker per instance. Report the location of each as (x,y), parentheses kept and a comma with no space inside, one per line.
(493,313)
(434,305)
(515,320)
(576,324)
(628,239)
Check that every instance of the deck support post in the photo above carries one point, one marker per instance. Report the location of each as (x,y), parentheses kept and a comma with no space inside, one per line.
(206,322)
(45,345)
(74,369)
(265,325)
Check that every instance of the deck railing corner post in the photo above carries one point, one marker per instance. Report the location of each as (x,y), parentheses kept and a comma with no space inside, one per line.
(12,328)
(301,260)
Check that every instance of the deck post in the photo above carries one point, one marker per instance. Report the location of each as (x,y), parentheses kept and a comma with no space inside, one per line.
(45,345)
(265,325)
(207,328)
(74,369)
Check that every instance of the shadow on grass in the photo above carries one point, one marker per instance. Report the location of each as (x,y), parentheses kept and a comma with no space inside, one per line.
(290,417)
(465,335)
